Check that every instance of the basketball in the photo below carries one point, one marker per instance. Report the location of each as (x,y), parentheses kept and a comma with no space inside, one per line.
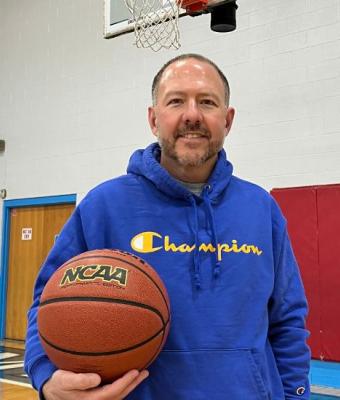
(104,311)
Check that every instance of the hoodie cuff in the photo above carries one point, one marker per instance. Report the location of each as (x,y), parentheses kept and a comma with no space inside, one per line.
(40,373)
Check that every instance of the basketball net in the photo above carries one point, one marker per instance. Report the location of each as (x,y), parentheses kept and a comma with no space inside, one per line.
(156,23)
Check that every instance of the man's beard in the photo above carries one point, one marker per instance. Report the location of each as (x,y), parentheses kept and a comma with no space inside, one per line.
(192,157)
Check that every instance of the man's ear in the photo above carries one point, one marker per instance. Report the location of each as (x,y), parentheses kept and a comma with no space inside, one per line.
(152,120)
(229,119)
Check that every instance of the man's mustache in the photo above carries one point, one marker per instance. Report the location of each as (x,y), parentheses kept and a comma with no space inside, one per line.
(200,131)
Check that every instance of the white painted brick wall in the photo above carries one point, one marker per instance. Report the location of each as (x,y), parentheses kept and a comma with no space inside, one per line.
(73,105)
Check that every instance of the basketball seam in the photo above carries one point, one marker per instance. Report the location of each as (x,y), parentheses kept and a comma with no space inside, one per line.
(159,348)
(105,353)
(103,300)
(124,260)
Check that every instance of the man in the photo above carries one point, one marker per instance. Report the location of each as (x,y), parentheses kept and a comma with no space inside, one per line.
(219,243)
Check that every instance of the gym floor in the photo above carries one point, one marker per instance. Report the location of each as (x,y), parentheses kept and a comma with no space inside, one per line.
(11,365)
(14,383)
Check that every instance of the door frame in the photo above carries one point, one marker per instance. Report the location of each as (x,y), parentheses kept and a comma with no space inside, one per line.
(7,206)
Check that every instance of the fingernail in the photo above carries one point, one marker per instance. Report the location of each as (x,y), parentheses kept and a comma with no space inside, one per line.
(145,373)
(134,373)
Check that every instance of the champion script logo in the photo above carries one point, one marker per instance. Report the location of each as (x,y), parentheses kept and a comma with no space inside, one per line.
(150,242)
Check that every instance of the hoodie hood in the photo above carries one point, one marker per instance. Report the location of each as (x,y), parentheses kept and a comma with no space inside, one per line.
(146,163)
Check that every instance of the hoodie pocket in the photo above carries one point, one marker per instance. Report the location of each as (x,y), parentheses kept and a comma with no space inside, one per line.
(205,375)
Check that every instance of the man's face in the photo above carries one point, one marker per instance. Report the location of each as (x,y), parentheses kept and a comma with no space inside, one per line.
(190,118)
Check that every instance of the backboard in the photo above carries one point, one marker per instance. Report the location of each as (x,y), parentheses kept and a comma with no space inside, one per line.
(117,18)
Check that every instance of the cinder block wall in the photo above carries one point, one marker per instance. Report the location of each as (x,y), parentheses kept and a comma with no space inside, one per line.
(73,105)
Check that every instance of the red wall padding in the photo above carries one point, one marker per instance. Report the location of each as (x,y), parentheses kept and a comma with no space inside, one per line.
(328,201)
(299,206)
(313,215)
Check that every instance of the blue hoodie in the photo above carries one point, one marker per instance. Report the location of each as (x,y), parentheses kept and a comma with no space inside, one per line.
(238,304)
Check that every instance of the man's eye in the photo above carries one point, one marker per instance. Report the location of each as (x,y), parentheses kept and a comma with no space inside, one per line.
(208,102)
(175,101)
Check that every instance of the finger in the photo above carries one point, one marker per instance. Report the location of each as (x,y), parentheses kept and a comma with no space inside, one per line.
(143,375)
(115,389)
(120,384)
(73,381)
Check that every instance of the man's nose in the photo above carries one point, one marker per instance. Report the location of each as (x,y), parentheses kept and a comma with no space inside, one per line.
(192,113)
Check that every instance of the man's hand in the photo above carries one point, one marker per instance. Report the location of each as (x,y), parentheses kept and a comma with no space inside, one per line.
(66,385)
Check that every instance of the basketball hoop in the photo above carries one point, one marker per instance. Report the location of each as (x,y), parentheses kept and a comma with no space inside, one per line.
(156,21)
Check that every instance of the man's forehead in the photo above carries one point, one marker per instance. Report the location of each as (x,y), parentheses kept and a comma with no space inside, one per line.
(190,70)
(188,67)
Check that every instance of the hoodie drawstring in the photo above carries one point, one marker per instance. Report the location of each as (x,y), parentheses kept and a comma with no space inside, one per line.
(197,276)
(217,267)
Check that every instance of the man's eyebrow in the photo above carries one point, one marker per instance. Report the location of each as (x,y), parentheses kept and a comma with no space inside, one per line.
(174,93)
(209,94)
(183,93)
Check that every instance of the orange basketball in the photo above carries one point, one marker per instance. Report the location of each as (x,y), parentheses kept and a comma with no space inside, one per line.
(104,311)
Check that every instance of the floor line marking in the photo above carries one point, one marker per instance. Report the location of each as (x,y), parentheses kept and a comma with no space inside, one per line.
(16,383)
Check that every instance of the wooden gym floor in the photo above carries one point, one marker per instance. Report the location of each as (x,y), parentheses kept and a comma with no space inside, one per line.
(14,384)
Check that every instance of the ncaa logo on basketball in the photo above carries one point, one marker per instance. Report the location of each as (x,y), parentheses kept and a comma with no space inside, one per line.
(90,273)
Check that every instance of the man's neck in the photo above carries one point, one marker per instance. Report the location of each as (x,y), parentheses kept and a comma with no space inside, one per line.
(187,173)
(195,188)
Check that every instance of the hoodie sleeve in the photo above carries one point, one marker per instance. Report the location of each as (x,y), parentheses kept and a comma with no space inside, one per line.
(69,243)
(287,314)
